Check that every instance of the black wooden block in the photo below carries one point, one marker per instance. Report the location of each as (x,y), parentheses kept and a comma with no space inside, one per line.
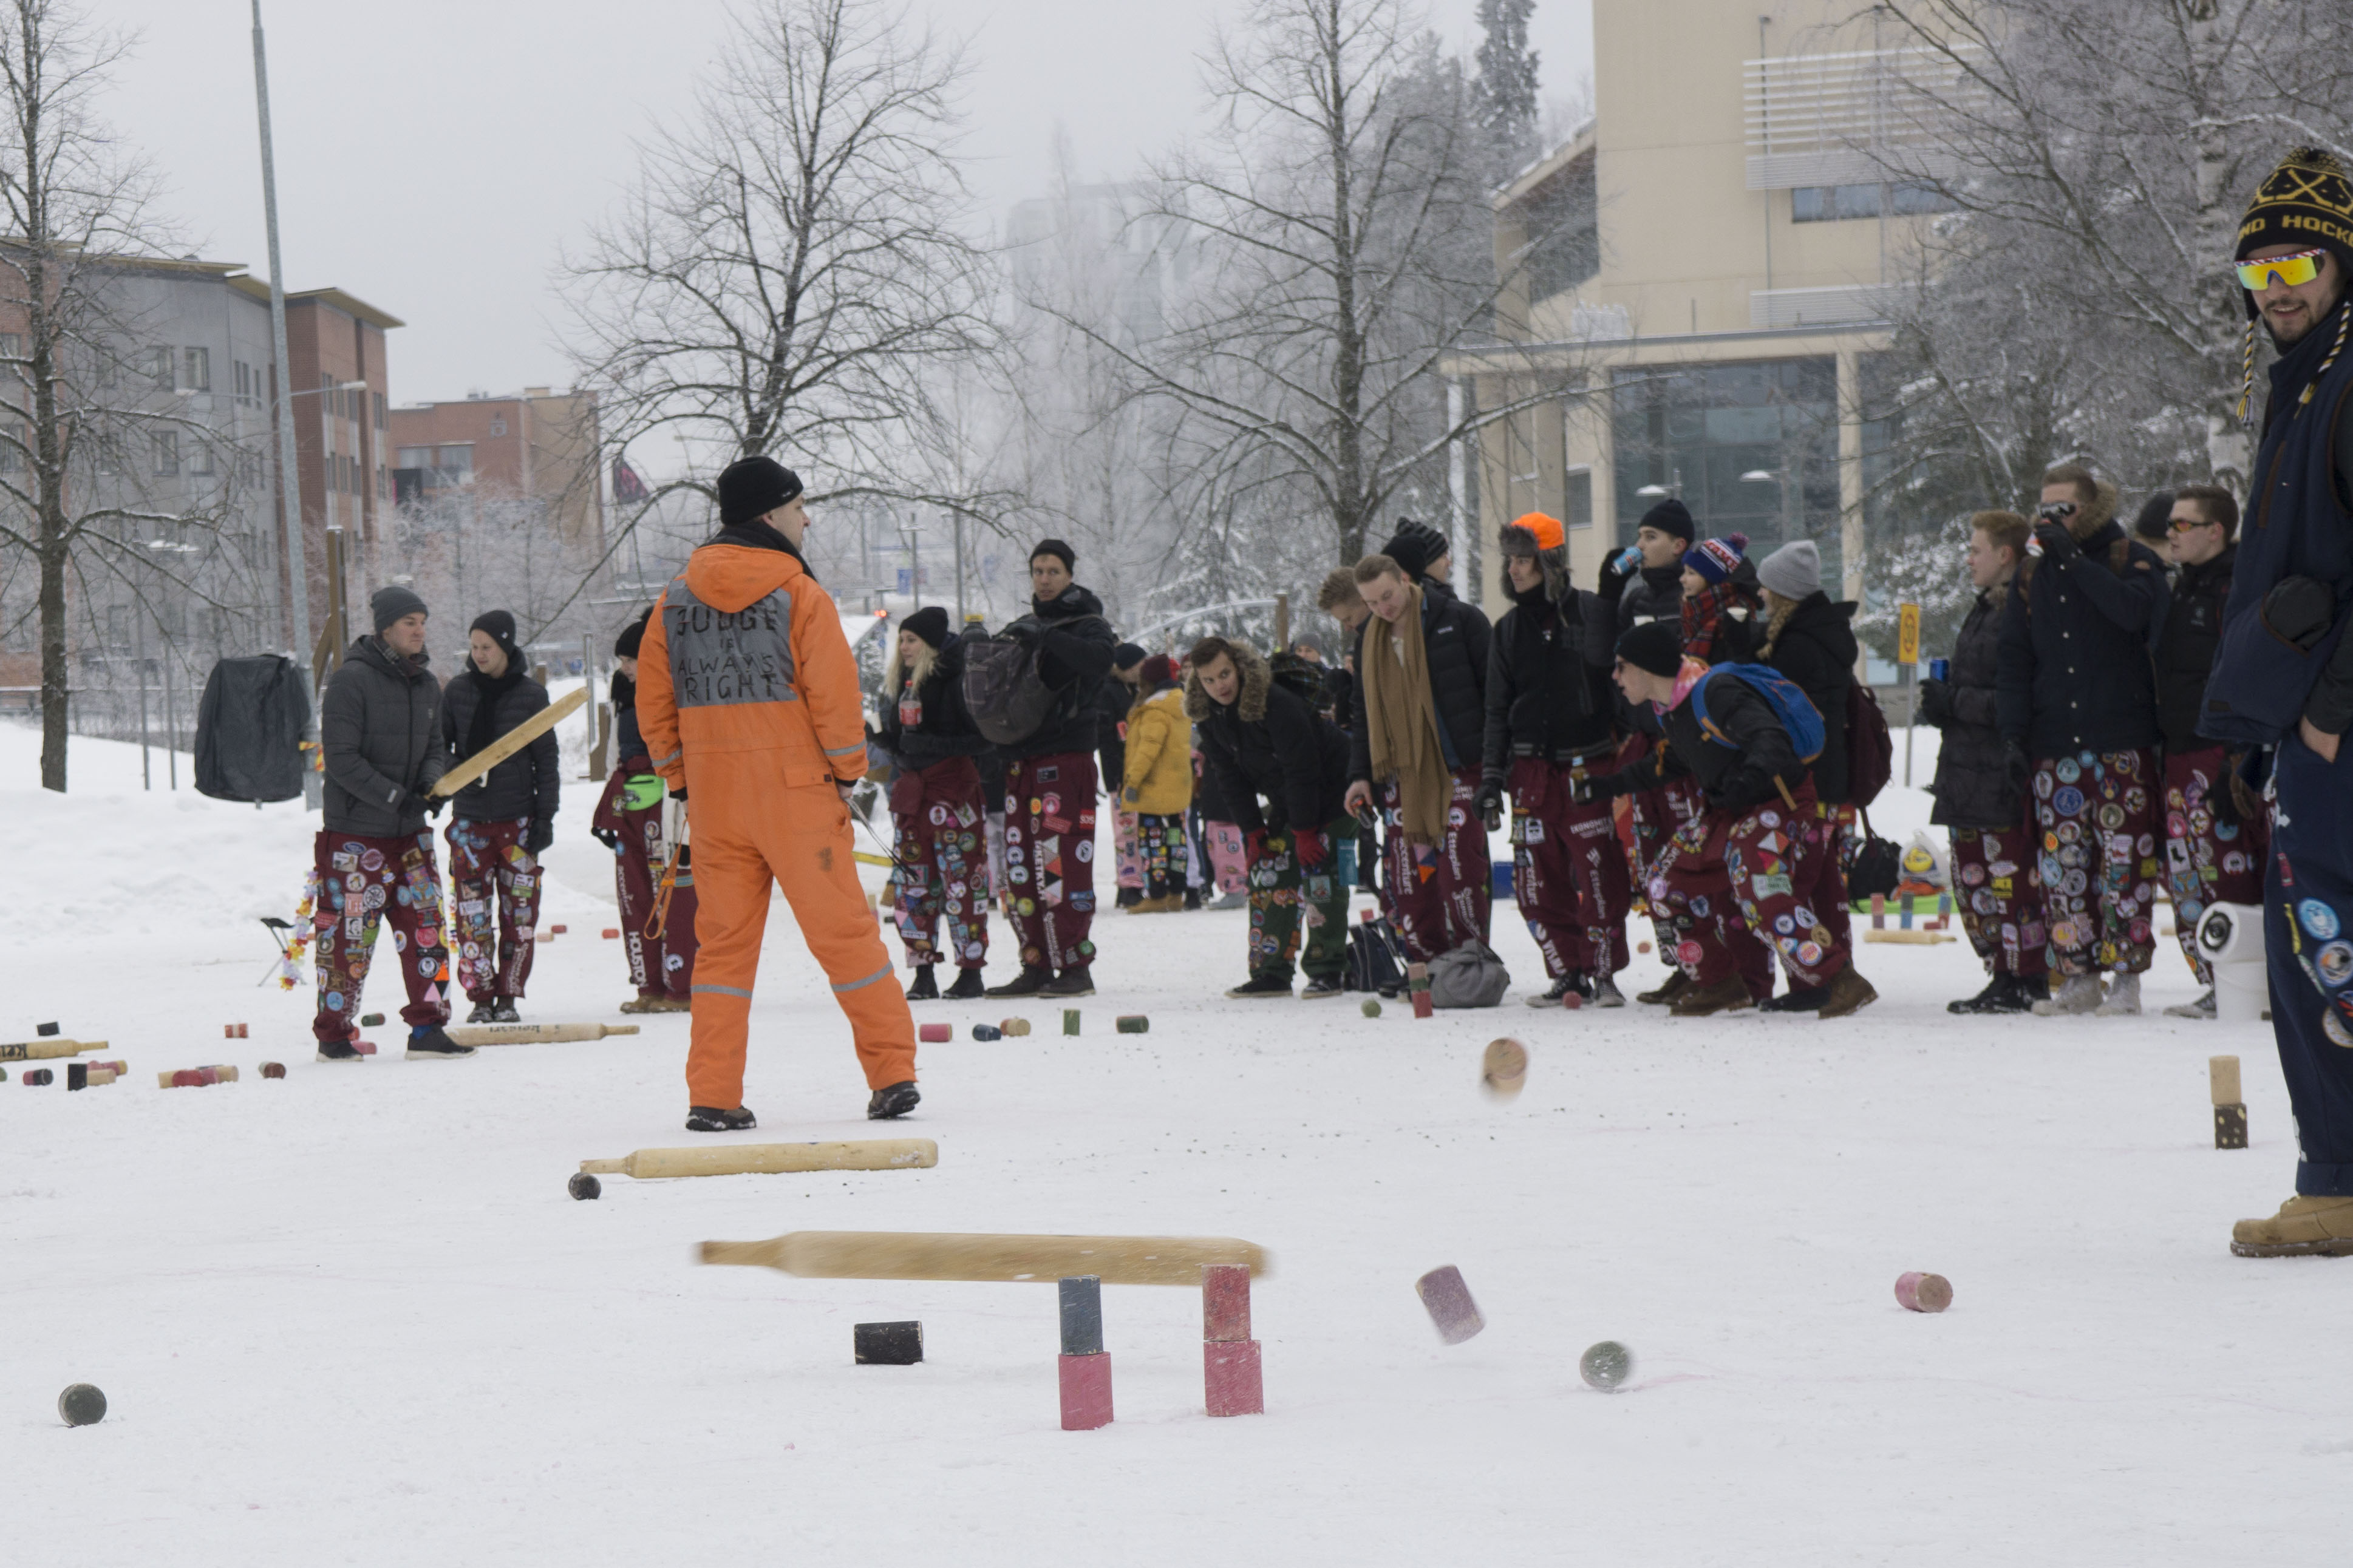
(2230,1127)
(45,1030)
(1082,1315)
(77,1075)
(889,1345)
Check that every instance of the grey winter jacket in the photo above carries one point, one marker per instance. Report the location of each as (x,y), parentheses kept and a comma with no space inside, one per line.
(529,784)
(380,732)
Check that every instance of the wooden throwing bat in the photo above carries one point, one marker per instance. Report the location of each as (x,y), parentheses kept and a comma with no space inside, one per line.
(41,1050)
(1040,1259)
(772,1159)
(508,744)
(531,1033)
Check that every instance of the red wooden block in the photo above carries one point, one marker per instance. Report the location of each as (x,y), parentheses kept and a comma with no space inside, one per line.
(1225,1301)
(1448,1301)
(1230,1378)
(1086,1391)
(933,1033)
(273,1069)
(1921,1292)
(612,933)
(364,1048)
(189,1078)
(559,930)
(1421,1004)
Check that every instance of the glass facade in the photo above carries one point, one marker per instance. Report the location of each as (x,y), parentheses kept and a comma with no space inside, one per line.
(1695,430)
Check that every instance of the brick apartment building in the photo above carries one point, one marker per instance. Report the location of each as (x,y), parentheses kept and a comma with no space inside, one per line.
(538,444)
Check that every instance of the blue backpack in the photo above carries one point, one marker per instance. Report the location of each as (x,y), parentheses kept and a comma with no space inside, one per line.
(1790,705)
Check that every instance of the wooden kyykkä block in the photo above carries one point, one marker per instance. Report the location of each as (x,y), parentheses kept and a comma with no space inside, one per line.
(1448,1301)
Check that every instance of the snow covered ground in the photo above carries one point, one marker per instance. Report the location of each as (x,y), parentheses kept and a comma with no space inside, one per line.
(353,1317)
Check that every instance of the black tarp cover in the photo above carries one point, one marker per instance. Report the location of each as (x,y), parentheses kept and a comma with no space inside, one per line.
(250,730)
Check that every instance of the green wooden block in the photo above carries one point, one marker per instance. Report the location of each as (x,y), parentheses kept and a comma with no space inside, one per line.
(1133,1023)
(1070,1020)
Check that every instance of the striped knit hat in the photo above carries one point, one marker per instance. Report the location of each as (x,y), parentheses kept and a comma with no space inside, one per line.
(1717,558)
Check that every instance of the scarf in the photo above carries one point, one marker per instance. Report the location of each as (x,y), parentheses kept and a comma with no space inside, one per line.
(1401,722)
(624,692)
(1703,615)
(483,727)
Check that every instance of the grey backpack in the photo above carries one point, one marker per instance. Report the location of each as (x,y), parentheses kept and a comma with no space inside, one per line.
(1469,976)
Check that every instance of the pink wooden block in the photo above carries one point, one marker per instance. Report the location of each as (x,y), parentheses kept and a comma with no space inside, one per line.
(934,1034)
(1920,1292)
(1086,1391)
(1225,1301)
(1448,1301)
(1230,1374)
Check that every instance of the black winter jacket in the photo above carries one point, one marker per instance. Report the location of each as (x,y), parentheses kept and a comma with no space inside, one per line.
(2076,670)
(1816,648)
(1269,742)
(2193,630)
(1075,649)
(1454,639)
(1735,777)
(529,784)
(380,735)
(1113,698)
(942,728)
(629,740)
(1548,692)
(1972,782)
(1656,594)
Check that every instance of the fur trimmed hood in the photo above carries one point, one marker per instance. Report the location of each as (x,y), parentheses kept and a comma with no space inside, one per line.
(2094,514)
(1251,706)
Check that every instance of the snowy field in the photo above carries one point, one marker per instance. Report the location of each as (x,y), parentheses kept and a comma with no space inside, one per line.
(353,1317)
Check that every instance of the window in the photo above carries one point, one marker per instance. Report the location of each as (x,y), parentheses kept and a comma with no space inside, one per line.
(379,409)
(200,459)
(1910,198)
(195,370)
(12,345)
(242,385)
(383,484)
(167,452)
(155,365)
(1834,204)
(1577,498)
(12,456)
(415,458)
(1698,431)
(457,462)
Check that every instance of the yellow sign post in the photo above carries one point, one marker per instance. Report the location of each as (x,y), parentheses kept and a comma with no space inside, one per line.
(1907,655)
(1907,634)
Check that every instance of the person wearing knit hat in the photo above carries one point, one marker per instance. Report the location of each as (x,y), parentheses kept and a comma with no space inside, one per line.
(1422,551)
(1794,571)
(939,890)
(1551,716)
(629,821)
(1113,698)
(2282,684)
(749,698)
(1758,871)
(1643,581)
(503,822)
(1720,599)
(1051,782)
(2153,526)
(1157,785)
(381,751)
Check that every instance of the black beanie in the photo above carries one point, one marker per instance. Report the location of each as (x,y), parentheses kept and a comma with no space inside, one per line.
(632,638)
(930,623)
(753,487)
(1673,518)
(1653,646)
(1126,656)
(1414,546)
(2306,202)
(1070,557)
(2155,519)
(388,605)
(501,626)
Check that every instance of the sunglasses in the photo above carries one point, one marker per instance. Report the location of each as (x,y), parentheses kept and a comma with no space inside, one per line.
(2303,266)
(2184,524)
(2055,510)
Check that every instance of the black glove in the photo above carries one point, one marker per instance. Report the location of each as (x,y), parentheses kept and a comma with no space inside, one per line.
(1586,788)
(1616,574)
(2058,544)
(678,795)
(2017,771)
(1936,704)
(608,838)
(1749,786)
(1490,801)
(430,804)
(539,835)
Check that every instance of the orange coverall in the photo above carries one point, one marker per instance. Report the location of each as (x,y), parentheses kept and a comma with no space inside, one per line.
(748,699)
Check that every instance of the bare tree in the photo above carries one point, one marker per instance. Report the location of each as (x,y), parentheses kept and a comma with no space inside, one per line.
(2106,148)
(790,265)
(78,427)
(1342,224)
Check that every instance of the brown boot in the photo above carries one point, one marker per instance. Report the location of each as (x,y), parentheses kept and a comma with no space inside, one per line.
(2320,1226)
(1729,995)
(1847,992)
(668,1005)
(1677,984)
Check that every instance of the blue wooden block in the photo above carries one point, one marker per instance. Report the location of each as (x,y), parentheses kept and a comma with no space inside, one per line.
(1082,1315)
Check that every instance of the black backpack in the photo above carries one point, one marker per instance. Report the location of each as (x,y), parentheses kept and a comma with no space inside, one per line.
(1008,699)
(1375,958)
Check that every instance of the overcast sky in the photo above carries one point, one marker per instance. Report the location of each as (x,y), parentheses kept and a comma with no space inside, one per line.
(433,155)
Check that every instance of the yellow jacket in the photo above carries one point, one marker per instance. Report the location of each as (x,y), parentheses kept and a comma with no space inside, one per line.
(1159,755)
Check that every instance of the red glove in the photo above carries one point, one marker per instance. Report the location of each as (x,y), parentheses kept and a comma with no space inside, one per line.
(1254,841)
(1312,846)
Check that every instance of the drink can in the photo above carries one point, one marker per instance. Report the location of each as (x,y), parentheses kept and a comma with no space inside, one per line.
(1940,668)
(1629,558)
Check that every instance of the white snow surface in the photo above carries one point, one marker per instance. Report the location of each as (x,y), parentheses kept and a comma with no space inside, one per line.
(353,1317)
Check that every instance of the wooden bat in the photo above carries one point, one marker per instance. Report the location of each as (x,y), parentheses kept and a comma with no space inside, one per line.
(1042,1259)
(1911,938)
(41,1050)
(508,744)
(531,1033)
(772,1159)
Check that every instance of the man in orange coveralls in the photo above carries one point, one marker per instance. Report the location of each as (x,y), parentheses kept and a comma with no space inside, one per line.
(748,699)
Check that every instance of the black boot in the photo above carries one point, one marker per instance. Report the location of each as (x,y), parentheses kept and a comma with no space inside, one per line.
(892,1101)
(712,1119)
(485,1012)
(426,1043)
(925,988)
(1076,981)
(1262,987)
(503,1011)
(1029,982)
(2004,992)
(1798,999)
(1129,897)
(968,987)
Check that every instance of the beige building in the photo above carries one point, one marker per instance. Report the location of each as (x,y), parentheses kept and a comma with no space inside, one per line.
(1713,262)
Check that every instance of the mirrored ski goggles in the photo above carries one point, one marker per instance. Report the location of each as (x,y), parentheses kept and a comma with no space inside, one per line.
(2303,266)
